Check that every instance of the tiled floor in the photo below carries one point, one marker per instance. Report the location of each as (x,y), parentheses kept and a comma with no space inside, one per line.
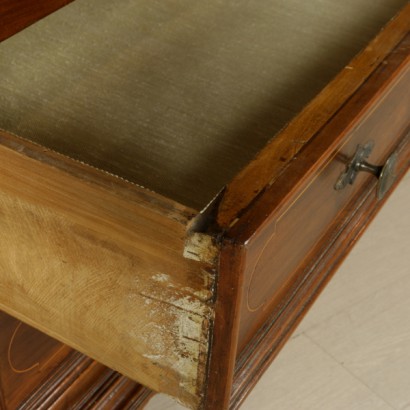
(352,351)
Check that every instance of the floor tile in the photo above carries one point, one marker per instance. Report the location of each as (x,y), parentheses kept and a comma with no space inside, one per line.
(305,377)
(302,377)
(372,341)
(377,260)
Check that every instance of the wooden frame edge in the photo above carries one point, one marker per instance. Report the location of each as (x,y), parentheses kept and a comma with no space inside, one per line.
(223,344)
(122,187)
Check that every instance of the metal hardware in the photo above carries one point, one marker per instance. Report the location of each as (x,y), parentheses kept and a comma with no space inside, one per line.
(385,173)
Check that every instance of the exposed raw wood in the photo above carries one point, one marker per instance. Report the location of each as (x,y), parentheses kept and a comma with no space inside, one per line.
(15,15)
(277,154)
(201,247)
(103,273)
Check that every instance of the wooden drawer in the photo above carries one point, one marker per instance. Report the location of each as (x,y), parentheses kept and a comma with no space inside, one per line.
(289,234)
(37,372)
(168,201)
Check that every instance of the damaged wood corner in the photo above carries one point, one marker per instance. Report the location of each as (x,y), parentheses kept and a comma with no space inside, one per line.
(201,247)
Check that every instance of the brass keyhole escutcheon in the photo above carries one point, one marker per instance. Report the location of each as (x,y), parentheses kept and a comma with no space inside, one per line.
(385,173)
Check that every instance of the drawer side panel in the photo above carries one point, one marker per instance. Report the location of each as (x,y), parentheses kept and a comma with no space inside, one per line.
(104,275)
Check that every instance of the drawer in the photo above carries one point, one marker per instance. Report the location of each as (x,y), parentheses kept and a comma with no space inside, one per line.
(167,193)
(37,370)
(290,235)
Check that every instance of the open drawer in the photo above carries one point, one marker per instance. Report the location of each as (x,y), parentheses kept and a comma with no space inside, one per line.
(179,180)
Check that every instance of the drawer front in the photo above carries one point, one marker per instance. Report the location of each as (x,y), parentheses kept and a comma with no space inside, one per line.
(27,358)
(37,370)
(292,235)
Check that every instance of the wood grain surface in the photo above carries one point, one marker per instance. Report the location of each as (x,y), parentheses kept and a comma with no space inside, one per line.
(28,357)
(224,342)
(38,372)
(113,269)
(15,15)
(94,266)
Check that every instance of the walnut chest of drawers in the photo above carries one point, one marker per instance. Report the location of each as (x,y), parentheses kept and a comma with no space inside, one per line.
(179,180)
